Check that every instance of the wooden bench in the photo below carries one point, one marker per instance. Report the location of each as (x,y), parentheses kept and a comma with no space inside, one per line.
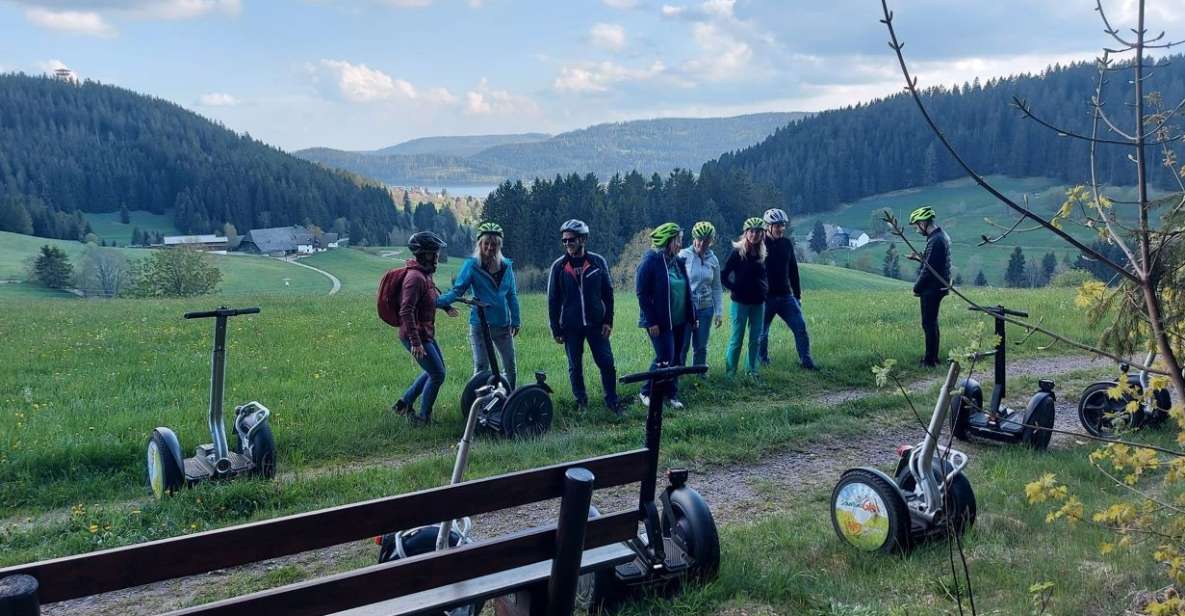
(542,564)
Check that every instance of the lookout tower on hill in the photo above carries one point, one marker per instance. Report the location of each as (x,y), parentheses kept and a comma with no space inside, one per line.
(67,75)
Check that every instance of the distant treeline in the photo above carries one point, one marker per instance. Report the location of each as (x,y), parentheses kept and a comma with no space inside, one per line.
(69,148)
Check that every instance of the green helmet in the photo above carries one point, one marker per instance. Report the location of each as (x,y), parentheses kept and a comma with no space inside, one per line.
(923,213)
(489,228)
(703,229)
(754,223)
(664,233)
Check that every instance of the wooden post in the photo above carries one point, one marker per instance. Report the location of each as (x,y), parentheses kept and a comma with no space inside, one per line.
(565,567)
(18,596)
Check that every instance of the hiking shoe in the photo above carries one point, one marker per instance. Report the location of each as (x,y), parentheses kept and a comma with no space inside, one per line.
(417,419)
(582,406)
(644,399)
(675,404)
(809,365)
(617,408)
(402,408)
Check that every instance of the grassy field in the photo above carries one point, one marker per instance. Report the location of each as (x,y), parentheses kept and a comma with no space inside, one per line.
(962,208)
(108,227)
(244,277)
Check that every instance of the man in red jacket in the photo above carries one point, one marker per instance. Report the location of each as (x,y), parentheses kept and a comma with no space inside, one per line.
(417,326)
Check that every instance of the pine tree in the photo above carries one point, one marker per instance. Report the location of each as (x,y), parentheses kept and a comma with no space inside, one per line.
(52,267)
(980,279)
(892,262)
(125,216)
(1016,275)
(1048,266)
(818,238)
(958,281)
(137,236)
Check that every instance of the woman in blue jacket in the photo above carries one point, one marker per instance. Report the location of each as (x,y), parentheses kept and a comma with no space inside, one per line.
(664,296)
(491,278)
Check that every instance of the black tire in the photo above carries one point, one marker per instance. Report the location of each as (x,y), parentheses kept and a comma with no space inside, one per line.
(600,592)
(527,413)
(961,408)
(469,392)
(959,502)
(1043,417)
(1100,414)
(165,474)
(856,489)
(694,529)
(263,452)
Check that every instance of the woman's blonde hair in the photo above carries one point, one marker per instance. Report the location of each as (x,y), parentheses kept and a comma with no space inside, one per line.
(477,248)
(740,243)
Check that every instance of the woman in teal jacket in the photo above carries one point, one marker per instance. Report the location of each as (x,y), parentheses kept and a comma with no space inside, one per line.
(491,278)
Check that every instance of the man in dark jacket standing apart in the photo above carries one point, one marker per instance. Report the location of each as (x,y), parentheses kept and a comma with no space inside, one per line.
(785,291)
(580,308)
(933,277)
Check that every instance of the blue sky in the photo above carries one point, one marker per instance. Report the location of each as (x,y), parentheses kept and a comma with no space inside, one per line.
(363,74)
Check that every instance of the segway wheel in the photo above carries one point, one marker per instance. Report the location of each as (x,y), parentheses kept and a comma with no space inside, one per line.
(263,452)
(469,392)
(528,412)
(600,592)
(869,512)
(694,529)
(959,503)
(165,473)
(1042,416)
(1100,414)
(963,406)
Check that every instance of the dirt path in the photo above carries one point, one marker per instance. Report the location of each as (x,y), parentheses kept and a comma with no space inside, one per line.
(737,493)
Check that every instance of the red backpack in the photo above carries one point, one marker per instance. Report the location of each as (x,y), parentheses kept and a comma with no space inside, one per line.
(390,292)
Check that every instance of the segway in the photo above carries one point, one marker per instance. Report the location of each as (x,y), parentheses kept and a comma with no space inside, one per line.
(512,412)
(678,540)
(1105,416)
(969,416)
(254,452)
(925,498)
(451,533)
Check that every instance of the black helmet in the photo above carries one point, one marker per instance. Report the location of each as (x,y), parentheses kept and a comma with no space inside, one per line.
(425,241)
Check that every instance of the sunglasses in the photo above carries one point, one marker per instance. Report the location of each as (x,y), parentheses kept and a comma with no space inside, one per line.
(569,240)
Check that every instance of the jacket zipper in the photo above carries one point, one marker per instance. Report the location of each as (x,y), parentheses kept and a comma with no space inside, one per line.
(580,286)
(667,273)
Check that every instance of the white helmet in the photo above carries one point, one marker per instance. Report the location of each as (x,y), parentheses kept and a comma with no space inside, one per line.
(575,226)
(775,216)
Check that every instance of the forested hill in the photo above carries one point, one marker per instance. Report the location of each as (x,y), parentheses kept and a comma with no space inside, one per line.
(647,146)
(94,148)
(845,154)
(467,145)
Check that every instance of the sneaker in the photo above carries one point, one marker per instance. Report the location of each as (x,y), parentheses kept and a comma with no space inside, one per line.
(809,365)
(675,404)
(419,420)
(582,406)
(617,408)
(402,408)
(644,399)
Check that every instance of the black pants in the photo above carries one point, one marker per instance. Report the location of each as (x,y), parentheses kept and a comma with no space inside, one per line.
(930,305)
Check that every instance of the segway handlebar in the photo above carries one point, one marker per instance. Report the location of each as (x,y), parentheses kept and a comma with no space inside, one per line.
(999,311)
(222,311)
(471,302)
(662,373)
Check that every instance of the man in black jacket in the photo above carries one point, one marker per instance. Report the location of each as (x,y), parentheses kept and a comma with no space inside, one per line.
(933,277)
(580,309)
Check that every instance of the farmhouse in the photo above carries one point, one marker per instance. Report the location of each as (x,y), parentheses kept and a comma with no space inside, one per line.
(278,241)
(199,242)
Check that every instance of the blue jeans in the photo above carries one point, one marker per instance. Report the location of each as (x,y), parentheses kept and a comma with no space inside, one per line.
(602,353)
(788,308)
(665,346)
(429,381)
(698,338)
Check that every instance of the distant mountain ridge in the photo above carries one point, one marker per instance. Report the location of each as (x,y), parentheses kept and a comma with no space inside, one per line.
(462,146)
(647,146)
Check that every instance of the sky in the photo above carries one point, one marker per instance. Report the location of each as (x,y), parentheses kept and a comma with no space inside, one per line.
(364,74)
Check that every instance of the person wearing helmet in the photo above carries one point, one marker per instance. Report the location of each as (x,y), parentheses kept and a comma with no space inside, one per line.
(785,290)
(707,294)
(491,278)
(745,277)
(580,310)
(417,325)
(933,277)
(664,302)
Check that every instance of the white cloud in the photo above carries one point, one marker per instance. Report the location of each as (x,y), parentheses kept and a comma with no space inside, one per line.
(724,56)
(76,22)
(359,83)
(484,100)
(184,9)
(620,4)
(608,36)
(722,8)
(217,99)
(597,77)
(440,95)
(670,10)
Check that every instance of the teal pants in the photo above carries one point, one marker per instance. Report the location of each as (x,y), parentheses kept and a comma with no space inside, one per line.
(742,316)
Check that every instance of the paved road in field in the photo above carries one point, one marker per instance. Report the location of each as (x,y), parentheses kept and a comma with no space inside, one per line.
(337,284)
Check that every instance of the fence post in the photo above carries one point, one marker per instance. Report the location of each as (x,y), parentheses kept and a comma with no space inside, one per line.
(573,522)
(18,596)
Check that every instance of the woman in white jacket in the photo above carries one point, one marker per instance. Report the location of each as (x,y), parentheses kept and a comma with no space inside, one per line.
(707,294)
